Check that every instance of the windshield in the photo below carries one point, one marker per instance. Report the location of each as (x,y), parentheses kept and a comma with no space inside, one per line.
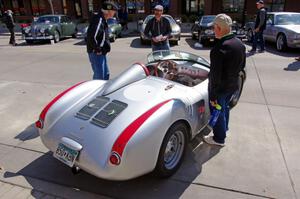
(207,19)
(171,20)
(48,19)
(176,55)
(288,19)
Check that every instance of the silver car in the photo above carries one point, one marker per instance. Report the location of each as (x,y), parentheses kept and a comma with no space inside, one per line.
(282,28)
(175,26)
(139,122)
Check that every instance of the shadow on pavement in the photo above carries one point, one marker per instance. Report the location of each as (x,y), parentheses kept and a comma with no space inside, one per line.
(48,169)
(80,43)
(136,43)
(191,42)
(29,133)
(295,66)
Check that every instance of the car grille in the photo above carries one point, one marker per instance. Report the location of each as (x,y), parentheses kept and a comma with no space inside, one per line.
(92,107)
(109,113)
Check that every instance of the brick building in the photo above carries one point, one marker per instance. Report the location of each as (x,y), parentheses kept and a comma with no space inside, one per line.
(80,9)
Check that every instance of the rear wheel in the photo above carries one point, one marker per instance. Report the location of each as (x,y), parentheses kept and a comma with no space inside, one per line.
(113,39)
(172,150)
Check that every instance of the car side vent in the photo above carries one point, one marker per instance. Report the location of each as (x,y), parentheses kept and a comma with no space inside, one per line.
(109,113)
(92,107)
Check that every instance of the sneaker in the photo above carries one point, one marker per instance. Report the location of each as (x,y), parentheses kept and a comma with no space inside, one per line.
(209,140)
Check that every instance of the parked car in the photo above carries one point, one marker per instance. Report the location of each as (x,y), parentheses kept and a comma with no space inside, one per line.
(114,29)
(204,29)
(50,27)
(175,26)
(283,28)
(238,30)
(138,122)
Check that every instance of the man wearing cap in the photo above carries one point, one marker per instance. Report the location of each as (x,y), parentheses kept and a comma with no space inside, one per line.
(227,58)
(98,44)
(260,26)
(159,30)
(10,24)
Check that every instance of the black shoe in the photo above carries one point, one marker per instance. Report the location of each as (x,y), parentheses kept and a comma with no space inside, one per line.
(261,51)
(252,51)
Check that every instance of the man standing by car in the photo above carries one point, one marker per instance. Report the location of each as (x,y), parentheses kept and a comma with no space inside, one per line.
(260,26)
(160,30)
(10,24)
(98,44)
(228,58)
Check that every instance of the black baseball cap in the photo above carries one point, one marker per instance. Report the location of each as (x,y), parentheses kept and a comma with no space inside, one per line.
(260,2)
(108,5)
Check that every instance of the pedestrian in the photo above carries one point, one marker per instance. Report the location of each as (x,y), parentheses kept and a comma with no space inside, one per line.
(228,58)
(98,44)
(8,19)
(160,30)
(260,26)
(123,16)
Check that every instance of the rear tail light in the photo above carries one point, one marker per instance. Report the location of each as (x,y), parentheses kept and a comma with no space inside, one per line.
(40,123)
(115,158)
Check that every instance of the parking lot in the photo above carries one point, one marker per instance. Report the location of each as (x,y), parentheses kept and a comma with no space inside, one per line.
(260,159)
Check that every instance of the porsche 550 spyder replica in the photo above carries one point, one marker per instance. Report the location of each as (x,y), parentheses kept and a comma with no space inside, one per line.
(139,122)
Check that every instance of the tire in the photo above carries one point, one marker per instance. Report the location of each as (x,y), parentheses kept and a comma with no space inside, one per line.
(237,94)
(176,137)
(113,39)
(249,35)
(56,36)
(281,43)
(194,37)
(74,35)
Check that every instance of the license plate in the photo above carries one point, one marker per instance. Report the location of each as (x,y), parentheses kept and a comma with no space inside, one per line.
(65,154)
(211,39)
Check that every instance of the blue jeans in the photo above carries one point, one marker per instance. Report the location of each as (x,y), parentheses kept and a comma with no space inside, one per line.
(164,46)
(99,66)
(258,36)
(221,126)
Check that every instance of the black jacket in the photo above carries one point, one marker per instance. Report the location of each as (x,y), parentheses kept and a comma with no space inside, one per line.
(8,20)
(97,35)
(155,28)
(261,19)
(228,58)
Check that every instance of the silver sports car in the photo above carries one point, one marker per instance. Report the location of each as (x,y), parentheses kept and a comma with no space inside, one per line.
(139,122)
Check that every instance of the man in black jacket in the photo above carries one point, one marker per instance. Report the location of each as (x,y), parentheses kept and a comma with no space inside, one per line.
(159,30)
(10,24)
(228,58)
(98,44)
(260,26)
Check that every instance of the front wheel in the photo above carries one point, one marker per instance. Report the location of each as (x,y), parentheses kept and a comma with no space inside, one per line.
(172,150)
(56,36)
(281,42)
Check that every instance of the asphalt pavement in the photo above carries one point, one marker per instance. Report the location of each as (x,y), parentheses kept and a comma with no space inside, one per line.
(260,159)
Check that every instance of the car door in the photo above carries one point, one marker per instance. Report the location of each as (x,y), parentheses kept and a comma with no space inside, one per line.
(269,32)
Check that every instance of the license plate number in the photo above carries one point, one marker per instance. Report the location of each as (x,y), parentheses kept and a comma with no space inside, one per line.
(66,155)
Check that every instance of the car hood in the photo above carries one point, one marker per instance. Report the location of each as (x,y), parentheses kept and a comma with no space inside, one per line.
(293,28)
(42,25)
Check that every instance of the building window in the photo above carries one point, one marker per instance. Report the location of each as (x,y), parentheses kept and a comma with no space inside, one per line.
(18,7)
(233,5)
(275,5)
(135,6)
(38,7)
(194,7)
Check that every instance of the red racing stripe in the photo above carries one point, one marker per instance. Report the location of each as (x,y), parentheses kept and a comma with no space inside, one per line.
(125,136)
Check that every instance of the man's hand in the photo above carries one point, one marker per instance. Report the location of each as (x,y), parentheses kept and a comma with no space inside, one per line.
(164,38)
(256,30)
(154,39)
(214,103)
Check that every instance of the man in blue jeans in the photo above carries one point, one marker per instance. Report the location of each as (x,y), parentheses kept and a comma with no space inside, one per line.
(260,26)
(98,44)
(228,58)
